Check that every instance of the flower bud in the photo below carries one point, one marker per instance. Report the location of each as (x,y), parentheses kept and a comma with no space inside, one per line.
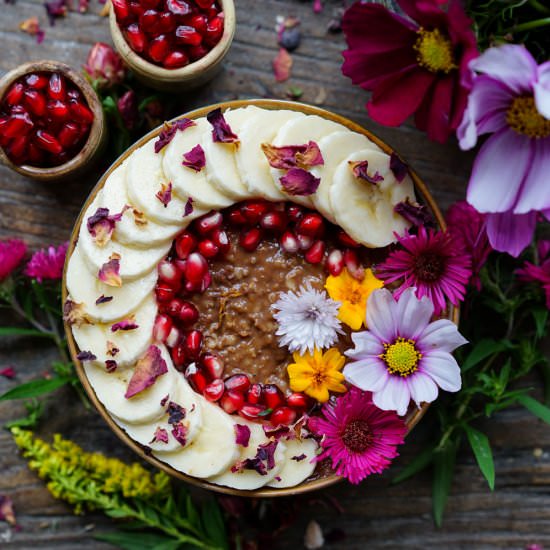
(104,66)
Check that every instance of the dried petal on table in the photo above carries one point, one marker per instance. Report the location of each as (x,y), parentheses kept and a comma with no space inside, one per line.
(32,26)
(282,64)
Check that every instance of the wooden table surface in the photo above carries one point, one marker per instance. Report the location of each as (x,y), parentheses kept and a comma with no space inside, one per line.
(375,515)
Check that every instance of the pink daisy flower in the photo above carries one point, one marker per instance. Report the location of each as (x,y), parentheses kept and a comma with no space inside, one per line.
(403,356)
(12,253)
(358,437)
(47,263)
(539,273)
(432,262)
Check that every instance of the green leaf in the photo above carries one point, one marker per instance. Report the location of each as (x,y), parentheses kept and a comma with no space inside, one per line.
(482,451)
(16,331)
(540,315)
(213,524)
(34,388)
(534,406)
(35,409)
(444,463)
(417,464)
(482,350)
(135,541)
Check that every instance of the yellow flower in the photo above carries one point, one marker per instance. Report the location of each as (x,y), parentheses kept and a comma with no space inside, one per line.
(353,295)
(317,374)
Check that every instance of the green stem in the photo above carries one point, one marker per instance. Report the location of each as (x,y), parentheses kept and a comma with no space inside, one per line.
(528,25)
(36,324)
(535,4)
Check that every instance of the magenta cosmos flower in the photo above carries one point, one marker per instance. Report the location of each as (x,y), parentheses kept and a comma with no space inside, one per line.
(402,355)
(510,99)
(47,263)
(12,253)
(431,261)
(412,67)
(539,273)
(358,437)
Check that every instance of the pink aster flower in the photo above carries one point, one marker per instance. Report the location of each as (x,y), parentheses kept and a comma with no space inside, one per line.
(47,263)
(431,261)
(510,99)
(469,229)
(12,253)
(416,65)
(358,437)
(539,273)
(402,355)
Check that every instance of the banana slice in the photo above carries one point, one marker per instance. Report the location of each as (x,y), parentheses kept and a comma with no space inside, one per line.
(186,181)
(335,148)
(221,168)
(85,288)
(251,162)
(295,471)
(365,210)
(250,479)
(144,179)
(131,344)
(213,450)
(143,407)
(297,132)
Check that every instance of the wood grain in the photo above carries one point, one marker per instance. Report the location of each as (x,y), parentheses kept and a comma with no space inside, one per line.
(376,515)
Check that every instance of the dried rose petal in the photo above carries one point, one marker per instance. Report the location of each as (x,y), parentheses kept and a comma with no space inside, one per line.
(164,400)
(55,9)
(161,436)
(86,356)
(277,432)
(298,181)
(101,225)
(112,350)
(288,32)
(262,462)
(317,6)
(75,313)
(6,510)
(298,458)
(8,372)
(414,213)
(103,299)
(282,65)
(250,464)
(169,131)
(310,157)
(176,413)
(146,371)
(111,365)
(139,217)
(242,434)
(266,452)
(110,271)
(179,431)
(165,193)
(195,159)
(32,26)
(188,210)
(221,131)
(360,171)
(125,324)
(291,156)
(398,167)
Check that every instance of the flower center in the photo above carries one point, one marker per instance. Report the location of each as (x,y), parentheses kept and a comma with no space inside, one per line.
(401,357)
(429,267)
(522,116)
(357,436)
(434,51)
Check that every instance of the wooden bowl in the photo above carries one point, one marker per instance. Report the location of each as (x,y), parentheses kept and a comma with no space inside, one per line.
(92,148)
(414,414)
(185,78)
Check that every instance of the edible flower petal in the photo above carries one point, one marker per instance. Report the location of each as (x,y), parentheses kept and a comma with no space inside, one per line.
(86,356)
(139,217)
(111,365)
(103,299)
(101,225)
(112,350)
(298,181)
(188,210)
(109,272)
(179,431)
(125,324)
(398,167)
(147,370)
(165,193)
(242,434)
(221,131)
(176,413)
(8,372)
(169,131)
(282,64)
(75,313)
(160,436)
(195,158)
(286,157)
(360,171)
(6,510)
(414,213)
(32,26)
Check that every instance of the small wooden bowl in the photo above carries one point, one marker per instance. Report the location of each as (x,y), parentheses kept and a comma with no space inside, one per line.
(92,148)
(413,415)
(185,78)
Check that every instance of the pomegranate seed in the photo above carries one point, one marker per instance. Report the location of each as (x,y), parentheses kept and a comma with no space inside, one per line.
(159,48)
(18,147)
(335,262)
(57,88)
(35,102)
(221,240)
(273,396)
(161,328)
(136,38)
(36,155)
(80,112)
(188,314)
(295,212)
(196,267)
(196,378)
(207,223)
(297,401)
(289,242)
(311,225)
(274,221)
(174,307)
(37,81)
(167,22)
(352,263)
(149,20)
(214,390)
(232,401)
(17,124)
(122,10)
(214,31)
(175,60)
(188,36)
(206,281)
(249,240)
(254,394)
(199,22)
(135,9)
(254,210)
(204,4)
(346,240)
(58,109)
(282,415)
(47,142)
(74,94)
(179,357)
(315,253)
(178,7)
(208,249)
(164,292)
(236,217)
(173,338)
(213,365)
(169,273)
(148,4)
(185,244)
(15,94)
(197,52)
(304,241)
(193,343)
(237,382)
(252,411)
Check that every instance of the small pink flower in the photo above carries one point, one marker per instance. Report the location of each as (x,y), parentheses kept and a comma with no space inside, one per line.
(539,273)
(104,66)
(12,253)
(47,263)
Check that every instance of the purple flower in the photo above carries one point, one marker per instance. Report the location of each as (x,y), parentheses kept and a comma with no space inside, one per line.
(47,263)
(510,99)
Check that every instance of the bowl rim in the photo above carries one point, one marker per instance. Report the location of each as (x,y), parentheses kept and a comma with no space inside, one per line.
(97,128)
(273,104)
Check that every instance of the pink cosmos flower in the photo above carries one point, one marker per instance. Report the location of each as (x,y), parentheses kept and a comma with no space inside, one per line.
(431,261)
(469,229)
(510,99)
(359,438)
(12,253)
(412,66)
(539,273)
(47,263)
(402,355)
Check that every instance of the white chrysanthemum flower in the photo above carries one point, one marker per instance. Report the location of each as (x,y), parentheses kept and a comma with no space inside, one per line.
(307,319)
